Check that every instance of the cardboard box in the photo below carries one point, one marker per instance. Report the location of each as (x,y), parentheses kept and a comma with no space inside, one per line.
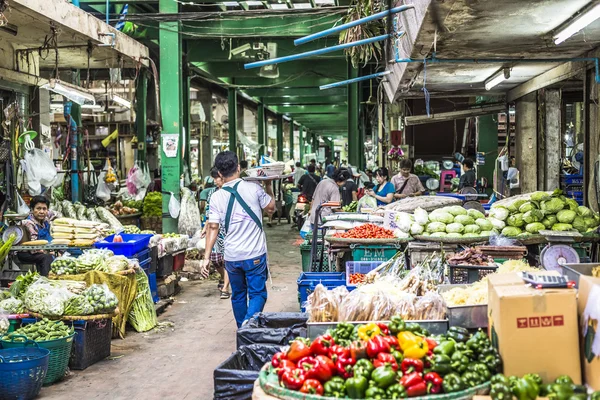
(534,330)
(588,307)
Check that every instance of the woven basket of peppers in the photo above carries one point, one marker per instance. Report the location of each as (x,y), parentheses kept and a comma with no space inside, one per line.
(392,360)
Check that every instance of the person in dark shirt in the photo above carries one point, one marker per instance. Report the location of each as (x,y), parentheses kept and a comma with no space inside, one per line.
(308,182)
(330,169)
(467,179)
(349,192)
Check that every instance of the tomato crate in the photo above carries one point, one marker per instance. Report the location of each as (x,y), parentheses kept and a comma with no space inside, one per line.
(305,253)
(359,267)
(373,252)
(307,281)
(463,274)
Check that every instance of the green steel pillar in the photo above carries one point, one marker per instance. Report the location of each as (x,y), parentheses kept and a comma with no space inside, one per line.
(279,137)
(260,128)
(301,143)
(291,138)
(141,95)
(232,119)
(185,106)
(315,143)
(354,146)
(170,105)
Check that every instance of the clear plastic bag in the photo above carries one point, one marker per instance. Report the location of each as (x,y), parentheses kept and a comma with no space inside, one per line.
(323,305)
(189,216)
(430,307)
(101,298)
(366,202)
(384,306)
(4,322)
(174,206)
(22,208)
(64,265)
(44,298)
(356,306)
(40,167)
(405,306)
(117,263)
(102,190)
(12,305)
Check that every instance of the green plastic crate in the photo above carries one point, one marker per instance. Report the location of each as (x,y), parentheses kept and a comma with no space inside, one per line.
(305,252)
(373,252)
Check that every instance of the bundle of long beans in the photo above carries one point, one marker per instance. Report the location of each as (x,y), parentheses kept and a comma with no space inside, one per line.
(142,315)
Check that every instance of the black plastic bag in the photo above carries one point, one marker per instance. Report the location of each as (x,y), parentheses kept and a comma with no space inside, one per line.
(234,378)
(272,328)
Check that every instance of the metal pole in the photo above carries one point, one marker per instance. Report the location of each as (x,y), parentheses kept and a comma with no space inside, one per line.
(354,80)
(260,128)
(339,28)
(301,143)
(279,137)
(354,147)
(317,52)
(107,11)
(141,94)
(232,119)
(291,138)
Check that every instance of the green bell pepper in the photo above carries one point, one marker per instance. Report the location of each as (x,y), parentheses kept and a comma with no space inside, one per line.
(525,389)
(493,363)
(356,387)
(470,379)
(499,378)
(535,378)
(335,387)
(396,325)
(460,346)
(481,370)
(512,381)
(564,379)
(398,356)
(459,362)
(396,391)
(364,368)
(414,328)
(559,391)
(578,396)
(445,348)
(452,383)
(384,376)
(375,392)
(442,364)
(458,334)
(500,391)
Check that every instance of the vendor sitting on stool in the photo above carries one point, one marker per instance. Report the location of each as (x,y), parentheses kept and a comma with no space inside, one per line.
(38,228)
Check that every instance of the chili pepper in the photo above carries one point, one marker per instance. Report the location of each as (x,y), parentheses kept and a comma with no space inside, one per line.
(499,378)
(460,362)
(344,366)
(285,365)
(534,378)
(526,390)
(356,387)
(434,382)
(564,379)
(392,341)
(298,350)
(398,356)
(368,331)
(336,351)
(315,369)
(364,368)
(470,379)
(418,350)
(409,365)
(375,392)
(446,348)
(384,376)
(396,325)
(441,364)
(452,383)
(481,370)
(377,345)
(312,386)
(277,358)
(322,344)
(458,334)
(500,391)
(414,384)
(336,387)
(385,359)
(358,350)
(396,391)
(293,378)
(431,344)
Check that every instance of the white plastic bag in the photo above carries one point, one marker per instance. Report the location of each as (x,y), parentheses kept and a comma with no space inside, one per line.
(189,216)
(102,191)
(22,208)
(40,167)
(174,206)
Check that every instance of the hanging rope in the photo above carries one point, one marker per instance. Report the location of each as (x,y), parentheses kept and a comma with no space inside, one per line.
(424,88)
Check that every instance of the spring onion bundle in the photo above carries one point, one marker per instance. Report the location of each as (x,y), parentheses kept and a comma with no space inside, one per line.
(142,315)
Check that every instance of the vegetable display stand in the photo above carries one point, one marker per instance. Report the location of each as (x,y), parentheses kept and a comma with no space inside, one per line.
(453,240)
(435,327)
(374,252)
(22,372)
(463,274)
(419,252)
(60,352)
(132,244)
(307,281)
(91,343)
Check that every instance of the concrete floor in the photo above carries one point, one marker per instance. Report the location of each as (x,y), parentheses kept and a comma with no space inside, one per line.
(178,362)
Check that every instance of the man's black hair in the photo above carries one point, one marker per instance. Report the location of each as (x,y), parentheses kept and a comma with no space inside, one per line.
(298,164)
(406,164)
(214,173)
(313,161)
(311,168)
(468,163)
(369,185)
(244,164)
(226,162)
(38,199)
(341,175)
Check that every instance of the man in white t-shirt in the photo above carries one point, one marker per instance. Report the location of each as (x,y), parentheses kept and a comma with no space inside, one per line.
(238,206)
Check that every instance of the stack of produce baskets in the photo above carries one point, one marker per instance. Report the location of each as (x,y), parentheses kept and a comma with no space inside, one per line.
(22,372)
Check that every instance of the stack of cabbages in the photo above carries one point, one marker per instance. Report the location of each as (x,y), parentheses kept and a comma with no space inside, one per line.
(452,221)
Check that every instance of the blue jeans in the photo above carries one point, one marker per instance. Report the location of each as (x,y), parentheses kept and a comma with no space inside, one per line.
(248,287)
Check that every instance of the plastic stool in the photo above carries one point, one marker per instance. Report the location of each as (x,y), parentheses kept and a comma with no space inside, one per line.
(445,180)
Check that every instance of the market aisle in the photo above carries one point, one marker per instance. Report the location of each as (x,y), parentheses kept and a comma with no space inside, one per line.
(178,362)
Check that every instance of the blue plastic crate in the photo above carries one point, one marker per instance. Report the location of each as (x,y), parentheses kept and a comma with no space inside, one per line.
(575,194)
(307,281)
(142,255)
(132,244)
(91,342)
(360,267)
(146,265)
(573,179)
(153,287)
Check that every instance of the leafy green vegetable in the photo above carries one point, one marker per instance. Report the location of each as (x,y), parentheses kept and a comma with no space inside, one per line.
(153,204)
(534,227)
(566,216)
(515,220)
(472,229)
(454,228)
(562,227)
(511,231)
(464,219)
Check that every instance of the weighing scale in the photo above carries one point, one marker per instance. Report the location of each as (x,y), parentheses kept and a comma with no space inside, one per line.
(558,251)
(432,184)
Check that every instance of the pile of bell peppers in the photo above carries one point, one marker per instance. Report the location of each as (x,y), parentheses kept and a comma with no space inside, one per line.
(531,386)
(386,361)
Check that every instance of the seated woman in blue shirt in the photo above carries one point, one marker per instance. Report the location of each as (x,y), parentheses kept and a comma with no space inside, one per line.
(384,191)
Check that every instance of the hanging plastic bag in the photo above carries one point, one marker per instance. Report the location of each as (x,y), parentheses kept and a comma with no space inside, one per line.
(40,167)
(366,202)
(103,190)
(22,208)
(189,217)
(132,181)
(306,229)
(174,206)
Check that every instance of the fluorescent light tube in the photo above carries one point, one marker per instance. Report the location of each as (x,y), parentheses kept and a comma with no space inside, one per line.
(578,24)
(71,92)
(121,101)
(497,78)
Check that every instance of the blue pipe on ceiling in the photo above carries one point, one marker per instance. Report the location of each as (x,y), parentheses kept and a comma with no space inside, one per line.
(354,80)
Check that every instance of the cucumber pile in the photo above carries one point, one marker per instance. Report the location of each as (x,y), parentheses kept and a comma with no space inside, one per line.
(42,331)
(64,265)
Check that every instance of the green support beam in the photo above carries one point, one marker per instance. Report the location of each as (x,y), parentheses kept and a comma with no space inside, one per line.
(170,104)
(301,142)
(279,137)
(141,95)
(303,81)
(308,100)
(291,138)
(354,145)
(318,109)
(185,105)
(298,92)
(260,128)
(235,69)
(232,118)
(315,143)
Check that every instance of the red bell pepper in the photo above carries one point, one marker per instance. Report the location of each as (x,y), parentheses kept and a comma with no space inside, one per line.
(414,384)
(277,358)
(434,382)
(322,344)
(312,386)
(409,365)
(298,350)
(358,350)
(337,351)
(344,366)
(384,328)
(392,341)
(431,344)
(385,359)
(315,369)
(293,378)
(327,361)
(377,345)
(284,366)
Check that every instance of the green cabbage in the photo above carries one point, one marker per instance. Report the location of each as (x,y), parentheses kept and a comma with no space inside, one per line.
(441,216)
(496,223)
(534,227)
(511,231)
(439,234)
(562,227)
(533,216)
(416,229)
(464,220)
(475,214)
(499,213)
(572,204)
(566,216)
(425,234)
(436,227)
(553,205)
(527,207)
(512,208)
(471,234)
(585,212)
(455,228)
(518,203)
(549,221)
(590,222)
(486,233)
(455,210)
(540,196)
(516,220)
(454,234)
(579,224)
(472,229)
(484,224)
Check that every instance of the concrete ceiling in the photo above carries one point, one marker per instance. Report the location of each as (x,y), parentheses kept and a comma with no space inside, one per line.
(475,29)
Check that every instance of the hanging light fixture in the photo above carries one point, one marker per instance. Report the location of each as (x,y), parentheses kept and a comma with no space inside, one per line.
(121,101)
(74,93)
(497,78)
(578,23)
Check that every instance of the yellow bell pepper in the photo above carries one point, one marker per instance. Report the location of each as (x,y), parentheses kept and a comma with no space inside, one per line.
(368,331)
(407,339)
(417,349)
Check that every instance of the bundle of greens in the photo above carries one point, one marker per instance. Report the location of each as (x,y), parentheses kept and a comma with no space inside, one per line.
(143,314)
(153,205)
